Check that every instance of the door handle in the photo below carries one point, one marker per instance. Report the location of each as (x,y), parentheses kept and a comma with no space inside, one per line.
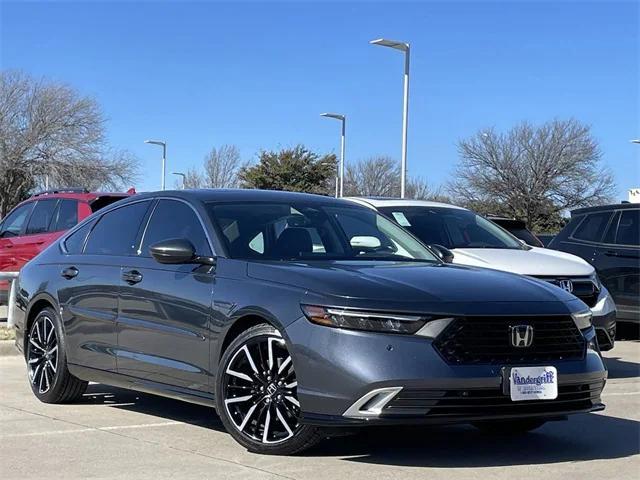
(132,277)
(611,253)
(69,272)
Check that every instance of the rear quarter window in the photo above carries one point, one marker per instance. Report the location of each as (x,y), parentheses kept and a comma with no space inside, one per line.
(592,227)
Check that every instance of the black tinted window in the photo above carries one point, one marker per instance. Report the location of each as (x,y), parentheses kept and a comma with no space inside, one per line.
(610,236)
(116,231)
(173,219)
(41,216)
(629,228)
(592,227)
(14,222)
(66,215)
(74,242)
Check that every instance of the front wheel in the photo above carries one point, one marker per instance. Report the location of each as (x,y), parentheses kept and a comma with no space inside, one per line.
(256,395)
(509,427)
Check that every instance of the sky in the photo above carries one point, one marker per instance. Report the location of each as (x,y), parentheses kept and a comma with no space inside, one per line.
(258,75)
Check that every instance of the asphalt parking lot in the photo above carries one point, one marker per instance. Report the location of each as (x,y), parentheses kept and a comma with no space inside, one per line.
(115,433)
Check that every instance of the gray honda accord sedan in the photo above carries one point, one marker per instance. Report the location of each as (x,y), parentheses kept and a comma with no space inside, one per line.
(297,315)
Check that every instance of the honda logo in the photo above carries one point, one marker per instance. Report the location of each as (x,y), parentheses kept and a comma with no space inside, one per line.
(566,285)
(521,336)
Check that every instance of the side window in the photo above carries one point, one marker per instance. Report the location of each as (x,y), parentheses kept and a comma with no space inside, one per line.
(610,236)
(592,227)
(66,215)
(174,219)
(117,231)
(629,228)
(41,217)
(14,222)
(74,243)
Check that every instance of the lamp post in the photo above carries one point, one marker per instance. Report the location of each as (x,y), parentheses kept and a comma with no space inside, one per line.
(340,182)
(180,174)
(164,157)
(404,47)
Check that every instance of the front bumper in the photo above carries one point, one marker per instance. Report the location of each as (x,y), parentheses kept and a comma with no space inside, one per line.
(337,368)
(604,320)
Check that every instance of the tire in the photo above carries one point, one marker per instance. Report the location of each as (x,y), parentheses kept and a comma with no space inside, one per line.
(510,427)
(48,374)
(257,402)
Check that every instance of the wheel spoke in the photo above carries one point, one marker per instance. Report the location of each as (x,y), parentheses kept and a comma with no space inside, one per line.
(50,333)
(250,358)
(51,366)
(284,365)
(247,417)
(267,422)
(292,400)
(240,375)
(33,342)
(38,333)
(291,385)
(284,422)
(35,360)
(238,399)
(54,349)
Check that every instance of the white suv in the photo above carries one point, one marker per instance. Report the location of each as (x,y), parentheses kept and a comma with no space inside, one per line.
(474,240)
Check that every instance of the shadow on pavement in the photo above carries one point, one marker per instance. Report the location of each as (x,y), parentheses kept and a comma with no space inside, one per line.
(621,369)
(147,404)
(582,437)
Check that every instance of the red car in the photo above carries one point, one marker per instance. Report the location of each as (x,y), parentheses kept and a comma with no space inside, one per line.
(38,221)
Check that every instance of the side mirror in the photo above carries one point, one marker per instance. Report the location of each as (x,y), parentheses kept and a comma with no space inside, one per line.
(365,242)
(443,253)
(177,251)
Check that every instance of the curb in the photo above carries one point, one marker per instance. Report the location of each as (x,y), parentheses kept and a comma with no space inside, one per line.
(8,348)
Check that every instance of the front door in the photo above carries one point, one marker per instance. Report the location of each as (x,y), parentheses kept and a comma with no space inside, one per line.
(164,309)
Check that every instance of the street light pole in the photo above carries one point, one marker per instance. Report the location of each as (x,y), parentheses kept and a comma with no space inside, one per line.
(404,47)
(340,182)
(180,174)
(164,157)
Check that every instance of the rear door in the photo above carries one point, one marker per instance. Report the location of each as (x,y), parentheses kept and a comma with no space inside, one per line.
(164,309)
(89,293)
(585,239)
(618,262)
(35,237)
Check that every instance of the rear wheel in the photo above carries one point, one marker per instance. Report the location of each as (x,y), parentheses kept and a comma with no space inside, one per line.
(256,394)
(510,427)
(49,376)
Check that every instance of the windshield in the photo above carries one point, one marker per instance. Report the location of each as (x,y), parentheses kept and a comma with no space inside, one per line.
(299,231)
(451,227)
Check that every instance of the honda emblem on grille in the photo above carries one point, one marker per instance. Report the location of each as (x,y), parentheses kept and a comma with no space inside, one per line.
(521,336)
(566,285)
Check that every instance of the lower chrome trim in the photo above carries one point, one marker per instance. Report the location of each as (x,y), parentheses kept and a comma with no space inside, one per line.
(371,404)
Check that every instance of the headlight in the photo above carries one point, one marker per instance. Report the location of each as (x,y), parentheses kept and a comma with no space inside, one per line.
(364,320)
(582,319)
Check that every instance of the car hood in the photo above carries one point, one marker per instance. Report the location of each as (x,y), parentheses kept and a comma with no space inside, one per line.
(391,284)
(534,261)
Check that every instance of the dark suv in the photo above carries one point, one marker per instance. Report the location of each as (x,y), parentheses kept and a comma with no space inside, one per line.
(608,237)
(296,314)
(35,223)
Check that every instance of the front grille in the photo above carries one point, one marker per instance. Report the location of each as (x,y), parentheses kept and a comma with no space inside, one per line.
(488,402)
(487,340)
(583,288)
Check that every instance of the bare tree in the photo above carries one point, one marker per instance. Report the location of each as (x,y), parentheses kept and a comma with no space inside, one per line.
(373,177)
(222,166)
(194,179)
(48,130)
(533,172)
(419,189)
(380,177)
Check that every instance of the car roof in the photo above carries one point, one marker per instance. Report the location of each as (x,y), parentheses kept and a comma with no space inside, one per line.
(604,208)
(241,195)
(378,202)
(76,194)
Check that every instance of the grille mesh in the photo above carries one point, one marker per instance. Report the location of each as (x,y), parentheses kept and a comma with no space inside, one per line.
(470,403)
(486,340)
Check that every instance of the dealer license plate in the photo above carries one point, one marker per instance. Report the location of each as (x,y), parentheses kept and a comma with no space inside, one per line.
(533,383)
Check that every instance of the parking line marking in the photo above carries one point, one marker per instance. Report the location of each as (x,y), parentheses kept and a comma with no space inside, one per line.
(83,430)
(615,394)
